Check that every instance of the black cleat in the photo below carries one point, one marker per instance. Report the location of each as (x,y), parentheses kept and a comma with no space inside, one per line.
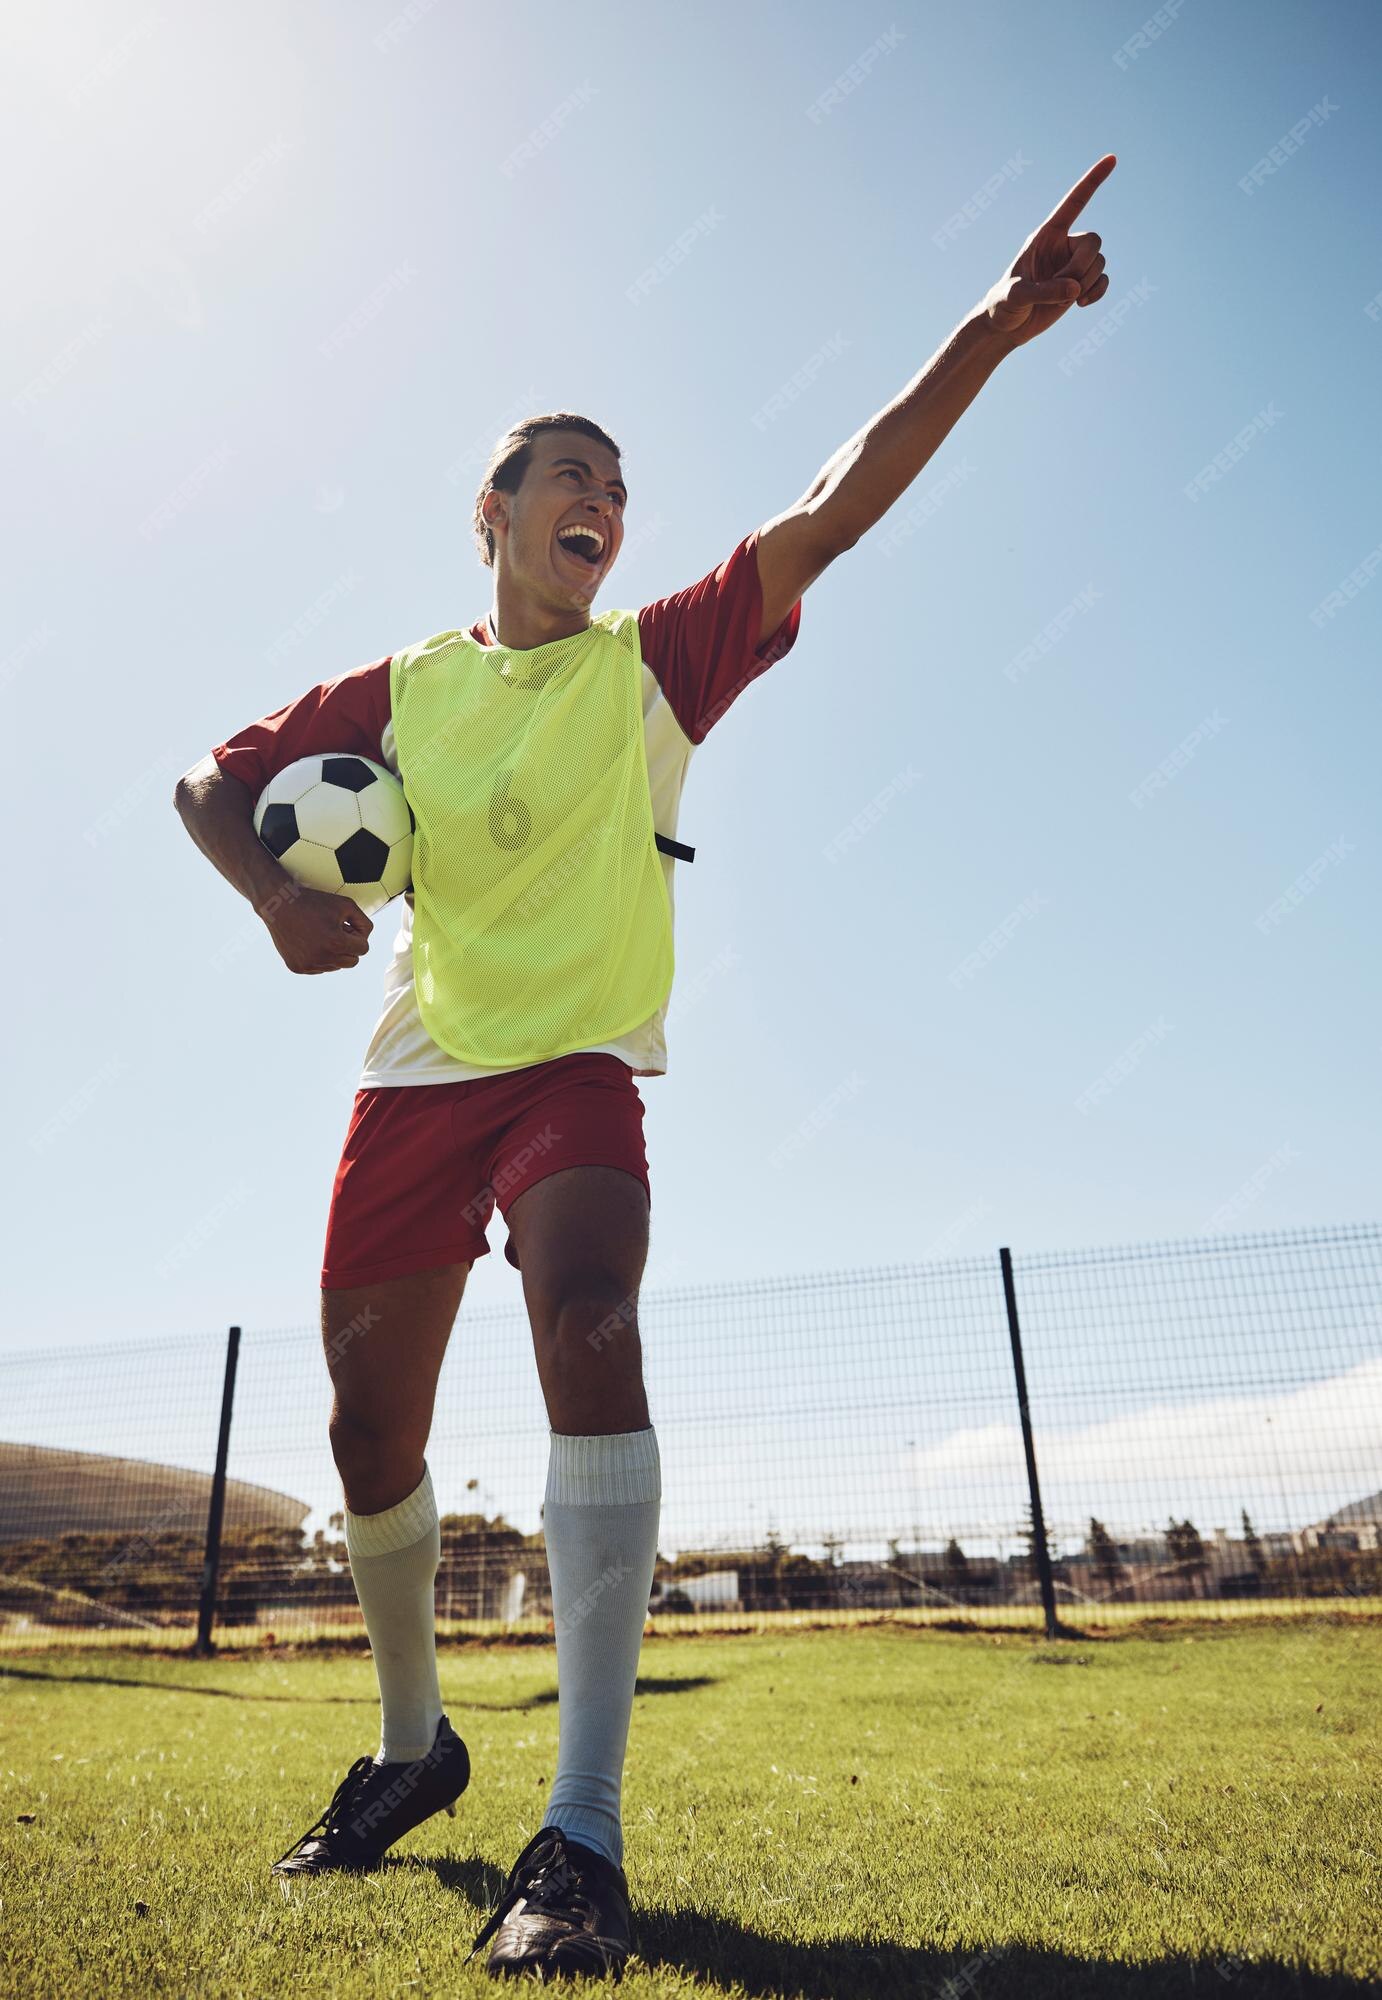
(564,1908)
(375,1804)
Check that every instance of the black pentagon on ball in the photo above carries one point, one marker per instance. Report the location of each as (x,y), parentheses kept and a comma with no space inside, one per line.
(350,772)
(278,829)
(362,858)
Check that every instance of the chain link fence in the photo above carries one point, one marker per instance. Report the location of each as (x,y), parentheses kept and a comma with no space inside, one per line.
(1066,1439)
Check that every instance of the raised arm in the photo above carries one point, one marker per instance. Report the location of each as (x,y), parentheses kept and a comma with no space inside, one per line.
(1051,272)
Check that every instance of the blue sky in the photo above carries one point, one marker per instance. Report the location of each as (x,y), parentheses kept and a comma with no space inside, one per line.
(1099,962)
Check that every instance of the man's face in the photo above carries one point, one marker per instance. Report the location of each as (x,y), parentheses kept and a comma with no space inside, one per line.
(571,483)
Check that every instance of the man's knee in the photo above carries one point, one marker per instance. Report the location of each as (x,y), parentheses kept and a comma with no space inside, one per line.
(588,1314)
(372,1451)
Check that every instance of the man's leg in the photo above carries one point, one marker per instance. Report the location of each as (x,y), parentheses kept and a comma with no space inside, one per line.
(582,1240)
(384,1347)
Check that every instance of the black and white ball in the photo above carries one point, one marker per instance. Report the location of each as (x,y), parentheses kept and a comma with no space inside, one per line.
(342,824)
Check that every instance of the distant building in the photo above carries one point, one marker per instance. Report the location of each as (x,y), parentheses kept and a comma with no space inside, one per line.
(45,1492)
(714,1590)
(1356,1527)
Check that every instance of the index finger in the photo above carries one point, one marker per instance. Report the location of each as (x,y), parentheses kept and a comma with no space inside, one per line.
(1064,215)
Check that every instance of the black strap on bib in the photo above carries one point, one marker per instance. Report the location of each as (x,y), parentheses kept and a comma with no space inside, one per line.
(675,848)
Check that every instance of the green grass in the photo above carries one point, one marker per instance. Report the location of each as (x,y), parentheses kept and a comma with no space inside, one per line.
(828,1814)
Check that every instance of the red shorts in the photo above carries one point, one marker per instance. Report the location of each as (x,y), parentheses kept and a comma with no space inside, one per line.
(425,1165)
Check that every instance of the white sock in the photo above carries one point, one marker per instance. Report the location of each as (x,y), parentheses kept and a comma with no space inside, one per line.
(600,1523)
(393,1559)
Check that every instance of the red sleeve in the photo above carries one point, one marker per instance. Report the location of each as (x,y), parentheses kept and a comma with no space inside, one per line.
(347,714)
(702,643)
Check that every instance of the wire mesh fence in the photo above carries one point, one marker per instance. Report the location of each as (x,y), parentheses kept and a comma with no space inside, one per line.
(1205,1427)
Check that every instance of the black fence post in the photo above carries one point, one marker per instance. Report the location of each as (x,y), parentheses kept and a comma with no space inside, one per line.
(1039,1548)
(216,1512)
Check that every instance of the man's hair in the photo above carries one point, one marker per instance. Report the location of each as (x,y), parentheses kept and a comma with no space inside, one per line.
(509,461)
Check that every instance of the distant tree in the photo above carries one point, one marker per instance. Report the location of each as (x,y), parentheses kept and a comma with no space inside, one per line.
(1256,1554)
(956,1562)
(1186,1549)
(1028,1558)
(1109,1569)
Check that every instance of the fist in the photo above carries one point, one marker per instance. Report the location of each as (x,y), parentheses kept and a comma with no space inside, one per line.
(314,931)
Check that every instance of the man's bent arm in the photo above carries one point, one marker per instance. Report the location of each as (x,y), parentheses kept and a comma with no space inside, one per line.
(218,812)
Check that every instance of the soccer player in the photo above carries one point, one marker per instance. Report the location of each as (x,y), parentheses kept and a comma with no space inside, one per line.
(543,751)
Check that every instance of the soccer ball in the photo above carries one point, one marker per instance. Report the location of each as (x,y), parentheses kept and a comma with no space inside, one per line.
(341,824)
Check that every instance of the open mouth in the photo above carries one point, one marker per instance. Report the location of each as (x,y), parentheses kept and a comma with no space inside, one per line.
(584,545)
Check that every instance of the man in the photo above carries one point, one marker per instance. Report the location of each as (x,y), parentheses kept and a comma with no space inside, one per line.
(543,752)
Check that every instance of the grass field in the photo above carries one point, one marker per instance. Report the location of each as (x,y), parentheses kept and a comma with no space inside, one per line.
(1184,1809)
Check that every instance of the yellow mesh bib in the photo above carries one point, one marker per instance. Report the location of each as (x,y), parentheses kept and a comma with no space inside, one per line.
(541,922)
